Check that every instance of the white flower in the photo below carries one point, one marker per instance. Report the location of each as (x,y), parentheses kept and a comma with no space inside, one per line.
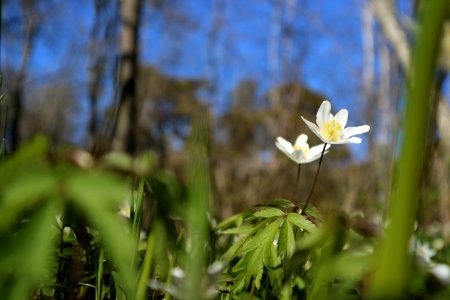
(424,252)
(331,129)
(300,151)
(441,272)
(125,210)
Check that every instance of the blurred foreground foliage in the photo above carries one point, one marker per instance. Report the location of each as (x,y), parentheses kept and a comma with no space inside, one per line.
(117,227)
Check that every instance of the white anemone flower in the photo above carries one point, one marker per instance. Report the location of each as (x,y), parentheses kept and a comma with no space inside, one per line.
(441,272)
(331,129)
(300,151)
(424,252)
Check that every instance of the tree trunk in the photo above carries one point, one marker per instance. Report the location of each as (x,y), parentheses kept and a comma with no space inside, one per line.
(126,125)
(30,30)
(103,37)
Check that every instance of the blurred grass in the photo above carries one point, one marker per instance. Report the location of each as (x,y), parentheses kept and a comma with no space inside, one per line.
(392,275)
(197,206)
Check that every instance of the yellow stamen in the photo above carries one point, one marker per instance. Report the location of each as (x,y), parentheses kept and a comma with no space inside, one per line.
(331,131)
(303,148)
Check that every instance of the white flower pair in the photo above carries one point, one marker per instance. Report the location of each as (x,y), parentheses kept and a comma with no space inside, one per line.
(328,128)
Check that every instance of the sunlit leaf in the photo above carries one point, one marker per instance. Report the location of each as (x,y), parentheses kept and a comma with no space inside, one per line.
(243,229)
(286,241)
(280,203)
(263,236)
(300,221)
(269,212)
(233,221)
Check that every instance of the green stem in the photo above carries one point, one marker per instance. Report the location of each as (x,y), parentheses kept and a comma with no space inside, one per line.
(392,272)
(146,268)
(297,182)
(315,180)
(98,288)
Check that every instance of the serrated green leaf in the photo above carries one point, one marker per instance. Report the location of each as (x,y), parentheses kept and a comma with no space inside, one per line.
(26,254)
(255,263)
(300,221)
(244,229)
(233,221)
(286,241)
(231,252)
(264,235)
(269,212)
(275,270)
(280,203)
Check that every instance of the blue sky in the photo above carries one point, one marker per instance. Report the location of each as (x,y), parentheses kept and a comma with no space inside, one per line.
(326,49)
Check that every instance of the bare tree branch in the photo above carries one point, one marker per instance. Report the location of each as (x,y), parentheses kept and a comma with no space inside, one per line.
(385,12)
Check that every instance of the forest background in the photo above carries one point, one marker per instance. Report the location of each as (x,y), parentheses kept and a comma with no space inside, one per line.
(254,65)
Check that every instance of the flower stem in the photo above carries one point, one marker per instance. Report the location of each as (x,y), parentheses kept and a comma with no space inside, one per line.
(315,180)
(297,182)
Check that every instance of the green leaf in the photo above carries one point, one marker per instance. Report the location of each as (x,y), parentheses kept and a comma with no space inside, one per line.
(255,265)
(23,193)
(274,268)
(300,221)
(233,221)
(97,195)
(26,253)
(244,229)
(231,252)
(269,213)
(280,203)
(28,155)
(145,163)
(118,160)
(286,241)
(263,236)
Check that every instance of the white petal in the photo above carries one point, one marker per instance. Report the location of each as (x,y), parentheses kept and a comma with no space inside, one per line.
(442,272)
(342,117)
(313,128)
(301,140)
(350,131)
(317,150)
(323,114)
(312,158)
(286,148)
(284,145)
(352,140)
(298,156)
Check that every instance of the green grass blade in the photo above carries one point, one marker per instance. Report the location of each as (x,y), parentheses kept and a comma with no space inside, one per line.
(392,271)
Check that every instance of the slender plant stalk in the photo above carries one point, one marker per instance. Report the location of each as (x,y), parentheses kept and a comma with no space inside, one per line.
(98,288)
(136,207)
(391,277)
(146,268)
(315,180)
(252,290)
(297,182)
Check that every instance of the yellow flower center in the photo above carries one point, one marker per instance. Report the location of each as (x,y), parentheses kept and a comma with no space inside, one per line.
(331,131)
(303,148)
